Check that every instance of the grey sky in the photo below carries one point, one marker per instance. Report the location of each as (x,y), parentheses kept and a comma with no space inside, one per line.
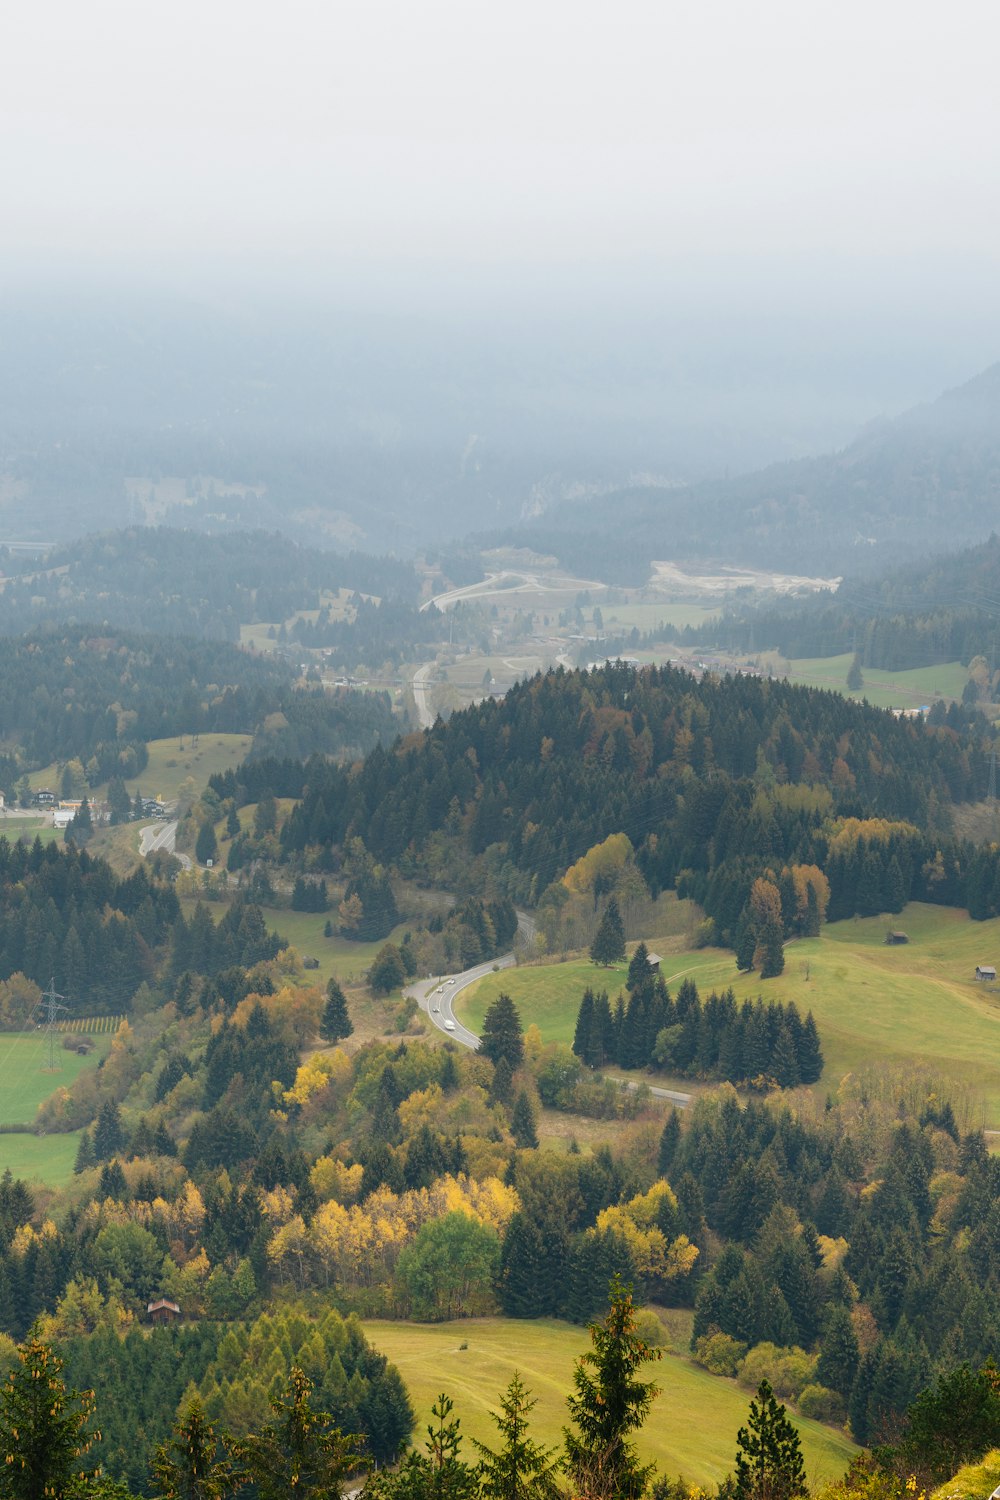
(519,132)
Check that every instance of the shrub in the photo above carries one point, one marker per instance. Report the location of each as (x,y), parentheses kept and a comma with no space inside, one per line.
(787,1371)
(720,1353)
(821,1404)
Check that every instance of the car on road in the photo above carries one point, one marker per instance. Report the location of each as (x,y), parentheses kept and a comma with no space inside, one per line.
(449,1026)
(436,1009)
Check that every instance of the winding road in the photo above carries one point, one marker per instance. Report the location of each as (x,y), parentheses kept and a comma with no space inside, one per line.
(436,997)
(161,836)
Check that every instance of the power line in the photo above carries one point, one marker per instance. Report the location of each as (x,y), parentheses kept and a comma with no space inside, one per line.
(52,1008)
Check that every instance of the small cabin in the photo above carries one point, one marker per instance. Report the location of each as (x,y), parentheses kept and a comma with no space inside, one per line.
(162,1311)
(653,963)
(895,938)
(986,972)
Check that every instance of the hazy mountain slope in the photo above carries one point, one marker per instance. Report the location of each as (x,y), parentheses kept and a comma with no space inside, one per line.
(927,480)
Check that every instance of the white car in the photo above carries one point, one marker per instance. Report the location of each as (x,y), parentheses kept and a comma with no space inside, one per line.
(449,1026)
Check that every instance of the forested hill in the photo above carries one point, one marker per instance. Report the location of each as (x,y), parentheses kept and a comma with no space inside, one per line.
(98,695)
(185,582)
(944,610)
(928,480)
(701,775)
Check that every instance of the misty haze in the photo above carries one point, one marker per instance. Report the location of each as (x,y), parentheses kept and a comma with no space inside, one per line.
(499,723)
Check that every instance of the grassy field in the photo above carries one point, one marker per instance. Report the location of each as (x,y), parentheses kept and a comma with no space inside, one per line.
(883,689)
(24,1082)
(26,1078)
(646,617)
(691,1430)
(914,1004)
(40,1158)
(171,762)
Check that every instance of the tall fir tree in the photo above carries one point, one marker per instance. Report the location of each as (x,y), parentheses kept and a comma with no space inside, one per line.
(769,1463)
(336,1023)
(520,1468)
(608,946)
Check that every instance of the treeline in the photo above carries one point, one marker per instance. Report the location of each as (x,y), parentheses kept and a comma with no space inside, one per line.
(837,1239)
(752,1043)
(67,916)
(912,617)
(714,782)
(383,631)
(97,696)
(180,582)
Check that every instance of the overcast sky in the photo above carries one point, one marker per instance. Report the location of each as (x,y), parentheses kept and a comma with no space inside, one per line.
(515,131)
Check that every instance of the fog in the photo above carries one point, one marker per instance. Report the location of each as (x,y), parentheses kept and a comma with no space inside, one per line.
(548,244)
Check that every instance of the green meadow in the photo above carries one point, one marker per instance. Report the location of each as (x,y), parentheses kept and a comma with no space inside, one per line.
(691,1430)
(917,1004)
(25,1080)
(882,689)
(171,762)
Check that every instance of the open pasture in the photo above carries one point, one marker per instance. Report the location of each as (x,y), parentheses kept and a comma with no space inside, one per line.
(691,1429)
(25,1079)
(171,762)
(882,689)
(918,1004)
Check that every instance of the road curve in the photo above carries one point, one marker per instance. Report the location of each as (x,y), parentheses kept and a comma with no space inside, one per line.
(422,695)
(436,997)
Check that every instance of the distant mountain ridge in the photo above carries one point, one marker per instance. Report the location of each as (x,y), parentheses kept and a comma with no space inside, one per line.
(925,481)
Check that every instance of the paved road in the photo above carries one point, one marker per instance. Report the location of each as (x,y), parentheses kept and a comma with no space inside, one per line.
(422,695)
(437,997)
(161,836)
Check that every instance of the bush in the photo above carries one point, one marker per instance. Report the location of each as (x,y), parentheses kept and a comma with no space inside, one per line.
(787,1371)
(821,1404)
(649,1328)
(720,1353)
(704,934)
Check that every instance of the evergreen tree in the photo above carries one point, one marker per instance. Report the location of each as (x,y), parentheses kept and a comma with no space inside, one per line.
(638,969)
(301,1453)
(785,1060)
(502,1033)
(81,825)
(812,920)
(769,1462)
(608,946)
(189,1466)
(109,1135)
(119,802)
(336,1022)
(232,823)
(584,1023)
(520,1469)
(522,1123)
(43,1427)
(205,845)
(84,1153)
(838,1353)
(771,945)
(669,1141)
(745,942)
(609,1403)
(502,1086)
(439,1473)
(809,1051)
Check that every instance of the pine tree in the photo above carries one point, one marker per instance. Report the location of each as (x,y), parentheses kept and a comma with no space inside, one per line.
(669,1141)
(109,1136)
(638,969)
(502,1086)
(520,1469)
(205,847)
(502,1033)
(189,1467)
(746,942)
(609,1403)
(772,950)
(336,1022)
(84,1153)
(810,1053)
(769,1462)
(43,1426)
(584,1023)
(81,824)
(522,1123)
(785,1060)
(302,1452)
(838,1354)
(608,946)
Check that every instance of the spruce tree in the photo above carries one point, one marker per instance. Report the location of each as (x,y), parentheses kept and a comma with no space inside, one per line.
(745,943)
(43,1427)
(838,1354)
(608,946)
(669,1141)
(609,1403)
(771,944)
(520,1469)
(84,1153)
(189,1466)
(638,969)
(769,1462)
(810,1053)
(502,1085)
(522,1123)
(336,1022)
(502,1033)
(205,847)
(302,1452)
(584,1023)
